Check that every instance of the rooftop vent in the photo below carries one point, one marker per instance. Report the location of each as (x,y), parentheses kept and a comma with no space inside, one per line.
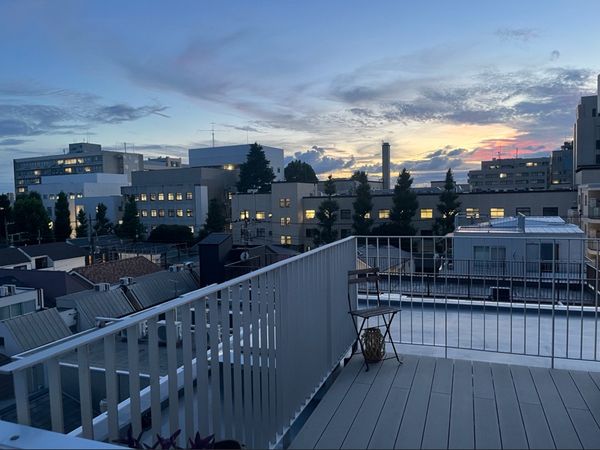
(126,281)
(102,287)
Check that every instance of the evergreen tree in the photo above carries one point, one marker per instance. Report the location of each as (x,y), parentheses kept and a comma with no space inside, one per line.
(82,224)
(448,207)
(363,205)
(172,234)
(404,208)
(255,173)
(300,172)
(102,225)
(327,215)
(62,218)
(31,217)
(215,218)
(5,216)
(130,227)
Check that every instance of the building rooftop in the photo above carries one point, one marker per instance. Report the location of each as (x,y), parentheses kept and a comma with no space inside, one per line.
(37,328)
(527,225)
(11,255)
(112,271)
(54,250)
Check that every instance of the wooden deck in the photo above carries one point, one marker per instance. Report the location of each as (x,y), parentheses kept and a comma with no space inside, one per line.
(442,403)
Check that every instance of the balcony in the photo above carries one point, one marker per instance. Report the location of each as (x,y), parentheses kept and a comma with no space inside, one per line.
(266,358)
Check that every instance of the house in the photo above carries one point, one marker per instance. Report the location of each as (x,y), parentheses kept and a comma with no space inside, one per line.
(112,271)
(13,258)
(55,256)
(16,300)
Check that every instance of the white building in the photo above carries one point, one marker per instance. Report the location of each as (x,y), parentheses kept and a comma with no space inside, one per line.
(231,156)
(513,246)
(16,300)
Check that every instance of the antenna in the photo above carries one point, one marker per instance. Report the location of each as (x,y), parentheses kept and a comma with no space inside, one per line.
(212,132)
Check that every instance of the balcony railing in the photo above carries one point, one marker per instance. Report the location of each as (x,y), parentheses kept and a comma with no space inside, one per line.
(241,359)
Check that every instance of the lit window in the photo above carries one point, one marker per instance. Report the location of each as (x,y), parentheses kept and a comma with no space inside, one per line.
(152,213)
(143,197)
(192,228)
(285,240)
(189,196)
(68,170)
(80,195)
(144,213)
(21,189)
(52,196)
(502,175)
(179,196)
(284,221)
(189,212)
(384,213)
(153,197)
(161,196)
(87,169)
(136,197)
(472,213)
(309,214)
(170,196)
(496,213)
(180,213)
(368,215)
(260,215)
(426,213)
(244,214)
(229,195)
(37,172)
(284,202)
(72,196)
(531,164)
(161,213)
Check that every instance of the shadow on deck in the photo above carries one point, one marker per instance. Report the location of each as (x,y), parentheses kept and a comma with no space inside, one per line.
(443,403)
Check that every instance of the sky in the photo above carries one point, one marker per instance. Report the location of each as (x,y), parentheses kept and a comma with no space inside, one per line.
(446,83)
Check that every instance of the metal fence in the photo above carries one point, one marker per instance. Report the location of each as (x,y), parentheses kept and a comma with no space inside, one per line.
(269,341)
(515,303)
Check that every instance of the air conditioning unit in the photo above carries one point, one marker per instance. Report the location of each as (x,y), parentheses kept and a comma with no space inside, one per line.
(12,288)
(142,331)
(126,281)
(4,291)
(189,265)
(102,287)
(162,331)
(176,268)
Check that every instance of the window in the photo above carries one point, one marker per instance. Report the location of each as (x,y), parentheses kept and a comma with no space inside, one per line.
(285,240)
(384,213)
(68,170)
(472,213)
(345,214)
(309,214)
(189,213)
(191,227)
(525,210)
(550,211)
(161,196)
(368,215)
(284,202)
(496,213)
(260,215)
(143,197)
(284,221)
(179,196)
(136,197)
(502,175)
(72,196)
(153,197)
(180,213)
(144,212)
(152,213)
(531,164)
(171,213)
(189,195)
(170,196)
(260,232)
(426,213)
(244,214)
(161,213)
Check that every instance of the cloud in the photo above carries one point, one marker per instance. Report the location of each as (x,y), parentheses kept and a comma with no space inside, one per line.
(322,163)
(12,141)
(123,113)
(554,55)
(518,34)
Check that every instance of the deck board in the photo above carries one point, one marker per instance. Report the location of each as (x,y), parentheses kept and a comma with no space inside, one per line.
(439,403)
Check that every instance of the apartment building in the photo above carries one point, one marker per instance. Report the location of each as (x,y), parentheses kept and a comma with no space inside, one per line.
(82,158)
(511,174)
(230,157)
(561,167)
(287,215)
(179,196)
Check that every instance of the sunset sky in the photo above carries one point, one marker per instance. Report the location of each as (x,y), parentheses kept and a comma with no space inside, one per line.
(446,83)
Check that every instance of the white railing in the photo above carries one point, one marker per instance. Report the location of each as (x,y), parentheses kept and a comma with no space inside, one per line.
(277,333)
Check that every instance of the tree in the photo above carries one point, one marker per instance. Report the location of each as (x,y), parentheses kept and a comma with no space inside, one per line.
(102,225)
(31,217)
(300,172)
(363,205)
(404,208)
(62,218)
(5,215)
(130,227)
(448,207)
(255,173)
(215,218)
(172,234)
(82,224)
(327,215)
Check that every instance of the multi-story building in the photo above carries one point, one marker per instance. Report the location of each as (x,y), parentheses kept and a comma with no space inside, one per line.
(561,167)
(514,174)
(230,157)
(84,191)
(179,196)
(82,158)
(291,219)
(162,162)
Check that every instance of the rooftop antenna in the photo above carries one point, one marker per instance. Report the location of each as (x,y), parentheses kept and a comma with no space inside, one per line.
(212,132)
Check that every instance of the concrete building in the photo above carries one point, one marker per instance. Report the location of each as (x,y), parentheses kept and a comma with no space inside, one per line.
(179,196)
(561,167)
(231,156)
(84,191)
(265,218)
(16,300)
(513,174)
(162,163)
(82,158)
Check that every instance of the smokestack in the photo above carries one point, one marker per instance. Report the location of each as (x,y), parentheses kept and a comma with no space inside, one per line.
(385,164)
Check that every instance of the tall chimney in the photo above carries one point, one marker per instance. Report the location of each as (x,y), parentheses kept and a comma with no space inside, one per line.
(385,164)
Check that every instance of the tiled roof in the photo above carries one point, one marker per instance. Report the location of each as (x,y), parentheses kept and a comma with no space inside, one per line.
(112,271)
